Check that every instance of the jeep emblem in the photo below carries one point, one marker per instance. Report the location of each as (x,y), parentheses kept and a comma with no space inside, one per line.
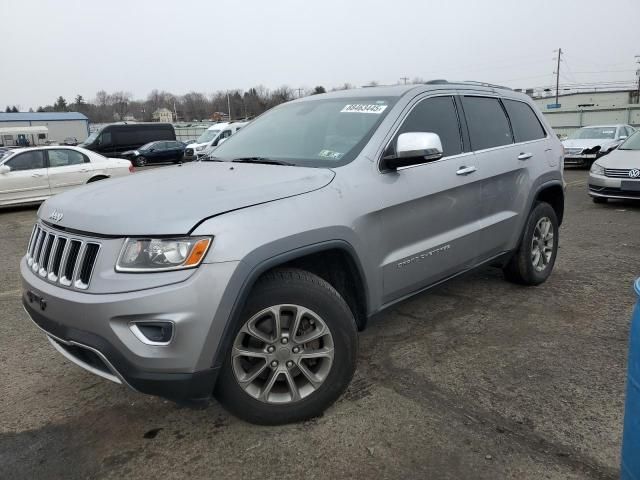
(56,216)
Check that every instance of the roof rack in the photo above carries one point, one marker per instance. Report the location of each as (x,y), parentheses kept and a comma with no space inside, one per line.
(437,81)
(485,84)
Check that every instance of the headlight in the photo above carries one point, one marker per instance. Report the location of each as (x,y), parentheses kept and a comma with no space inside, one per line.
(136,152)
(200,148)
(161,254)
(597,169)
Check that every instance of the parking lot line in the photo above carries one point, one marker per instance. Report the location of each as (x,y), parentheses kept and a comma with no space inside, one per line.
(576,183)
(9,293)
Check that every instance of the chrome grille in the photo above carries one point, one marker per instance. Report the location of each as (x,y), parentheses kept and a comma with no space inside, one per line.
(617,172)
(62,259)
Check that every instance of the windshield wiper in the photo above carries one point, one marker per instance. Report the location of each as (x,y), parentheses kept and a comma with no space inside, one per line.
(267,161)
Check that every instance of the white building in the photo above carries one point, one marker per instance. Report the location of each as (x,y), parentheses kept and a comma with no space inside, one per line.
(163,115)
(581,109)
(59,125)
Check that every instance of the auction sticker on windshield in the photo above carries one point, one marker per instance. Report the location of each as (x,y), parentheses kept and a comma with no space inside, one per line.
(362,108)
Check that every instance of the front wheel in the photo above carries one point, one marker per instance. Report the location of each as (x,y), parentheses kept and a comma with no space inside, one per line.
(140,161)
(533,261)
(293,353)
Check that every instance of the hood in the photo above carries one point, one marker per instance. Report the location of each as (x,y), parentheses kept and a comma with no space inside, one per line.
(195,145)
(621,159)
(589,143)
(172,200)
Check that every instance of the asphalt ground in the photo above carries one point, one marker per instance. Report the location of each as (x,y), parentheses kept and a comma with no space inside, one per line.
(477,379)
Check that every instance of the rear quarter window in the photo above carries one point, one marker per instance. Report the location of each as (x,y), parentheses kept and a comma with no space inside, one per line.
(487,122)
(525,123)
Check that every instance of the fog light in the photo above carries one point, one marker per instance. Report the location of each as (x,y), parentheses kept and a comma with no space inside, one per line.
(153,333)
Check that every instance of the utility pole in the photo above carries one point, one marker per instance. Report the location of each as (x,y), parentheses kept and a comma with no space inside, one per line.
(229,106)
(638,75)
(558,74)
(299,92)
(404,79)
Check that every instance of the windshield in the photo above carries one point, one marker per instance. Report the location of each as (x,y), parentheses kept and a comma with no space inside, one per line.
(593,132)
(631,143)
(91,138)
(146,146)
(315,133)
(207,136)
(4,153)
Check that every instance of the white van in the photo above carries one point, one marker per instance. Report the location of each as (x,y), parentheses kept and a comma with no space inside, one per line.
(210,138)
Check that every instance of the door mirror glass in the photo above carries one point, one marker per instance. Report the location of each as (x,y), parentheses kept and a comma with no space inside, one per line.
(4,169)
(623,137)
(413,148)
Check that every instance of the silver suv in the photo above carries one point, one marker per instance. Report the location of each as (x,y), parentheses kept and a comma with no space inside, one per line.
(249,275)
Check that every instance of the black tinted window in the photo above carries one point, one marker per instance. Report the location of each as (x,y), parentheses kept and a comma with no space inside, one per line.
(524,122)
(64,157)
(436,115)
(488,125)
(26,161)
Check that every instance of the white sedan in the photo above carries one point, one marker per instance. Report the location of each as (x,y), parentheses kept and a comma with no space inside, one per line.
(34,174)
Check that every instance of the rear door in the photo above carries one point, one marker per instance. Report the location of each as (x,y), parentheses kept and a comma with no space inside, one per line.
(504,166)
(68,168)
(27,180)
(429,211)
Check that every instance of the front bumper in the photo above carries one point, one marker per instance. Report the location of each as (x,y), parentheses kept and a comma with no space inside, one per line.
(608,187)
(93,330)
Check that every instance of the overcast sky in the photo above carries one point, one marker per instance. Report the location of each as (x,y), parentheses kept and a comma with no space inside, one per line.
(52,48)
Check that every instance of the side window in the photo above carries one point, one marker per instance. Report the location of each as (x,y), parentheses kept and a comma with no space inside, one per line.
(436,115)
(26,161)
(488,125)
(64,157)
(524,122)
(225,134)
(105,138)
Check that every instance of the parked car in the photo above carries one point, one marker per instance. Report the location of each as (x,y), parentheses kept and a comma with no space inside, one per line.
(71,141)
(210,139)
(113,140)
(249,276)
(154,152)
(34,174)
(618,174)
(587,144)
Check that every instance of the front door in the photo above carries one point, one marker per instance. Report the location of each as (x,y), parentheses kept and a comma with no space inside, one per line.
(27,179)
(430,211)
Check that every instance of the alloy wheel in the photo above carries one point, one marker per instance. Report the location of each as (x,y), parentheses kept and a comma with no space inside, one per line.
(282,354)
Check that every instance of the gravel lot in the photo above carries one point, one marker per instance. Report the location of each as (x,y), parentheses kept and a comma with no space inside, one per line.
(475,379)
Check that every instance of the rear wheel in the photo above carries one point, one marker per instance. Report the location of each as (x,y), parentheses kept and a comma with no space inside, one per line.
(293,353)
(533,262)
(599,199)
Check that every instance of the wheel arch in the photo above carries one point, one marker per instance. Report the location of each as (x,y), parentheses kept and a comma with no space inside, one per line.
(100,176)
(553,194)
(309,258)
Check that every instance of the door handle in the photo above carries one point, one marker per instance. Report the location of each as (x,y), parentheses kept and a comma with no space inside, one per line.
(36,174)
(525,156)
(465,170)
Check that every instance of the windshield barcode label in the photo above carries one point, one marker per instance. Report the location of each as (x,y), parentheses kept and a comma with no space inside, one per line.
(360,108)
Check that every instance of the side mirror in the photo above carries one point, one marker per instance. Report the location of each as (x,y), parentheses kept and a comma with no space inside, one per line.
(152,149)
(622,137)
(4,169)
(413,148)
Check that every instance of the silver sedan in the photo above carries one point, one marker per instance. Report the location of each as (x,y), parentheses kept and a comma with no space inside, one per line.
(618,174)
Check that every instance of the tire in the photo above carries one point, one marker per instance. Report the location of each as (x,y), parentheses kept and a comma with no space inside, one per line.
(524,267)
(599,199)
(140,161)
(295,293)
